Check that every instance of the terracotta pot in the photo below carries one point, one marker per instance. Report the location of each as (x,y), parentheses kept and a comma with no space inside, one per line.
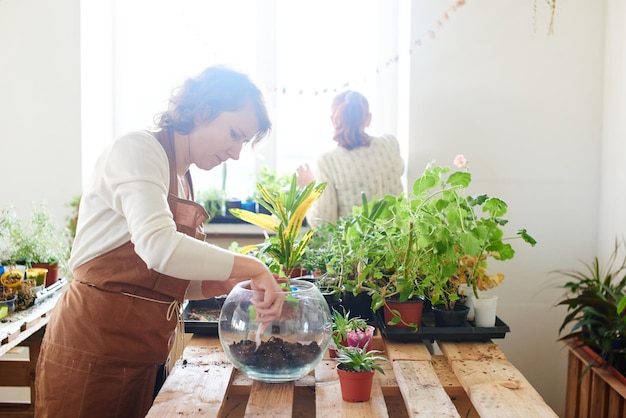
(454,318)
(361,339)
(410,312)
(53,272)
(355,386)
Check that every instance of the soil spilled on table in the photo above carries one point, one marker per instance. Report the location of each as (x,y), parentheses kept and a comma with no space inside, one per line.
(274,354)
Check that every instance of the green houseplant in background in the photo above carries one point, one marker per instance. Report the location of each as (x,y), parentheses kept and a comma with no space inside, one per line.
(595,298)
(283,250)
(213,201)
(39,242)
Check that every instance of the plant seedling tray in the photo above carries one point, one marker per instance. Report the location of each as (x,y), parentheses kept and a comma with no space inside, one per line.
(194,312)
(428,331)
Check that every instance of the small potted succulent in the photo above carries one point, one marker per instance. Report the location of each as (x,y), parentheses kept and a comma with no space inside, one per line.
(350,332)
(356,370)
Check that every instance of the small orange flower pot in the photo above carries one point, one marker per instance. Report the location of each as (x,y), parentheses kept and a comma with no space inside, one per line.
(355,386)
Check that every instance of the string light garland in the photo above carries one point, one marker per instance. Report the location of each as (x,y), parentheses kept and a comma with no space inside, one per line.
(429,35)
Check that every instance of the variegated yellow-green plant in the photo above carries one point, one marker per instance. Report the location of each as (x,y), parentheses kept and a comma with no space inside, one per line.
(287,209)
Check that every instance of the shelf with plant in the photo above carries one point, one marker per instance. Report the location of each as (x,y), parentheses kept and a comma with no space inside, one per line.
(595,297)
(282,251)
(38,240)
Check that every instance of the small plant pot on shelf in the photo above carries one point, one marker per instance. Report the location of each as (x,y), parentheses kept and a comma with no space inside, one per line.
(410,313)
(485,310)
(7,306)
(450,318)
(355,386)
(361,339)
(53,272)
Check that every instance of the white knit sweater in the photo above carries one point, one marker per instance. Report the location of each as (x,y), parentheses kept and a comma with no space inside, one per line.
(375,170)
(126,199)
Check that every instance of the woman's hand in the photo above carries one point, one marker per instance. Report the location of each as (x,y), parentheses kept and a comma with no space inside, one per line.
(305,175)
(269,297)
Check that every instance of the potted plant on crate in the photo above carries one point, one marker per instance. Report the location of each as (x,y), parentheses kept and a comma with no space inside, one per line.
(595,299)
(594,330)
(356,370)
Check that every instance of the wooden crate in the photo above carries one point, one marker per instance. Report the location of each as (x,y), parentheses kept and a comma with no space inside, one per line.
(592,391)
(468,380)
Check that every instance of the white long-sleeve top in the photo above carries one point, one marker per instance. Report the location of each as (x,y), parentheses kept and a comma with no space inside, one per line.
(126,199)
(375,170)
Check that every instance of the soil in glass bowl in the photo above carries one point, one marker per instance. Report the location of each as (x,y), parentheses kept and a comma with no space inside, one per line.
(287,348)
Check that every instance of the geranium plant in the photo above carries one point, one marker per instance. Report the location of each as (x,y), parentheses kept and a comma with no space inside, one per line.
(287,209)
(458,233)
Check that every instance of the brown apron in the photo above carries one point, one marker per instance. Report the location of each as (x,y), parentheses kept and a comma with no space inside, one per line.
(114,326)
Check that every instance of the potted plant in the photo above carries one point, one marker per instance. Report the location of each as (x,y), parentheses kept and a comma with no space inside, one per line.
(458,233)
(213,202)
(271,181)
(40,242)
(283,250)
(349,331)
(595,298)
(356,370)
(373,257)
(594,331)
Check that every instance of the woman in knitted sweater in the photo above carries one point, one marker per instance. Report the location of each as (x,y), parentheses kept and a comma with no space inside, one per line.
(360,163)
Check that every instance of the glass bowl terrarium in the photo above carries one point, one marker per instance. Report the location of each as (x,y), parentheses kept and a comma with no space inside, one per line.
(285,349)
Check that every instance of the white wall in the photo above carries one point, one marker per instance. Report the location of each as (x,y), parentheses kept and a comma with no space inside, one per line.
(613,164)
(525,109)
(40,104)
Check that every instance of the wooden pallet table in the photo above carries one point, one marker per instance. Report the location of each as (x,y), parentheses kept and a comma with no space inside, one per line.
(467,379)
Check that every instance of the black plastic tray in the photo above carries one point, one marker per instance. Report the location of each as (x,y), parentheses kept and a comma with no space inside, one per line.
(428,331)
(198,326)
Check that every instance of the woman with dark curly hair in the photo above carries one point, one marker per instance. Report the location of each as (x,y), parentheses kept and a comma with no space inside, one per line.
(360,163)
(139,252)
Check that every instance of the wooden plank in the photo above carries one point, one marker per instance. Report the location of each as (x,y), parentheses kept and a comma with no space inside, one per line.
(447,378)
(497,389)
(328,401)
(272,400)
(422,391)
(470,350)
(599,394)
(396,350)
(574,370)
(197,385)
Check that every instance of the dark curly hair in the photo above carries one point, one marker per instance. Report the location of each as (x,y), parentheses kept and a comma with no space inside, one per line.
(215,90)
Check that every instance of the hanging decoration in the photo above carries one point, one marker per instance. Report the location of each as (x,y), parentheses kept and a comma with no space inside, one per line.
(429,35)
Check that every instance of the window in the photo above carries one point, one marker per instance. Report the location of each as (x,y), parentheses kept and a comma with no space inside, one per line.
(300,53)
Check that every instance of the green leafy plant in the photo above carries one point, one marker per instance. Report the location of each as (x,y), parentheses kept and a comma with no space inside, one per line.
(457,233)
(359,359)
(284,250)
(595,299)
(40,240)
(213,201)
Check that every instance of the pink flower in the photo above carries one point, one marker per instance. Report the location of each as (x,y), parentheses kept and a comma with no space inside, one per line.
(460,161)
